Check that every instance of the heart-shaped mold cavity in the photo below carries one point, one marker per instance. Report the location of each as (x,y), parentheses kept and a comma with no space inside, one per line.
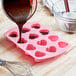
(42,42)
(39,54)
(13,34)
(44,31)
(22,41)
(36,26)
(30,47)
(51,49)
(33,36)
(53,38)
(24,30)
(62,44)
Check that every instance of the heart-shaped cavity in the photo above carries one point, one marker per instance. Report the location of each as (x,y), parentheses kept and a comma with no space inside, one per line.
(44,31)
(13,34)
(42,42)
(30,47)
(39,54)
(62,44)
(51,49)
(22,41)
(53,38)
(33,36)
(24,30)
(36,26)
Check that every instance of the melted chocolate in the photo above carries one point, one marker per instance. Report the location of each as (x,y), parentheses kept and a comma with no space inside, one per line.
(18,11)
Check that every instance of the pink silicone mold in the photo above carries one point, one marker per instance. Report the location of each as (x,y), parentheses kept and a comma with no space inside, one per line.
(38,41)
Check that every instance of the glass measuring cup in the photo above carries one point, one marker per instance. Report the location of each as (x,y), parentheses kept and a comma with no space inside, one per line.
(65,20)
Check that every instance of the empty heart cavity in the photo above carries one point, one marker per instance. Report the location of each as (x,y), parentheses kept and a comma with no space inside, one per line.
(44,31)
(62,44)
(39,54)
(53,38)
(33,36)
(22,41)
(24,30)
(42,42)
(36,26)
(30,47)
(51,49)
(13,34)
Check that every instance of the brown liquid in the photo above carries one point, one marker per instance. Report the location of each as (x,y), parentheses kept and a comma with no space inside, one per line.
(18,11)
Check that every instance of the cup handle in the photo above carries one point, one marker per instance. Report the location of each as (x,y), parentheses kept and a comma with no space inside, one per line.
(33,12)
